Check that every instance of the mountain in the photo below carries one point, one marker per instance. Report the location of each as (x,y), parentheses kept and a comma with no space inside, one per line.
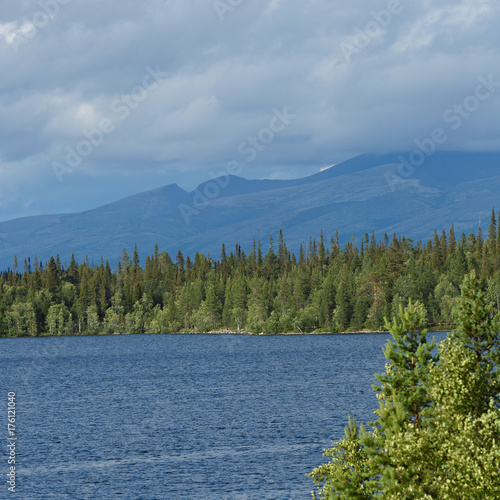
(369,192)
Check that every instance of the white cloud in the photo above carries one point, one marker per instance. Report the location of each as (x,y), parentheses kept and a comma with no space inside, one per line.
(8,31)
(272,7)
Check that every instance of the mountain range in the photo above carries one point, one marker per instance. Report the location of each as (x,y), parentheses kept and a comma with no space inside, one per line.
(384,194)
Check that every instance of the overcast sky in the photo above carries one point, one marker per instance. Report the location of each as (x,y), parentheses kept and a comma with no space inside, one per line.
(100,99)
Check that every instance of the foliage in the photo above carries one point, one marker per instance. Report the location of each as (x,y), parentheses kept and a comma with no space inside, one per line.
(327,289)
(438,425)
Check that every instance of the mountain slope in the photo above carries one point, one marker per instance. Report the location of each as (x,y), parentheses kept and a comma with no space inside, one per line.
(356,196)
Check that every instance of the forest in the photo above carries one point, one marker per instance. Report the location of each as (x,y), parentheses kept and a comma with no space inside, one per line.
(325,288)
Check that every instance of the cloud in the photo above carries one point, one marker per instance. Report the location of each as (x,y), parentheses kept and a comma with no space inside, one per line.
(222,80)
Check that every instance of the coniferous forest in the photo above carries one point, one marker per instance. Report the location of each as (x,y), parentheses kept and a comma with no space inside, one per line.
(325,288)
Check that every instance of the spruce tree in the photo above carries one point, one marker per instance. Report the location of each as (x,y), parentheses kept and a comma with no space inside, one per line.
(409,355)
(492,231)
(478,329)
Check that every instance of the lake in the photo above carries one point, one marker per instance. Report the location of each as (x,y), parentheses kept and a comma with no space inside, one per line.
(181,416)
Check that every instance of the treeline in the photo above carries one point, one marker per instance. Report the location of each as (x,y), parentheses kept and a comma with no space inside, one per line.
(324,287)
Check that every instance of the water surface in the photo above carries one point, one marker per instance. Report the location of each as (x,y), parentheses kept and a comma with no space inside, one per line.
(187,416)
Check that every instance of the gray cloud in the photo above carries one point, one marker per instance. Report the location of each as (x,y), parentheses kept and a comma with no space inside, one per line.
(360,77)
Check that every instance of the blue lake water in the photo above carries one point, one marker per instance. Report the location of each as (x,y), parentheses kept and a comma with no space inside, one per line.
(181,416)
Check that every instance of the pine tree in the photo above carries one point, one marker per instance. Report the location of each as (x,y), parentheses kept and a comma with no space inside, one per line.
(214,305)
(342,315)
(492,231)
(124,259)
(321,251)
(409,356)
(479,244)
(179,264)
(478,329)
(452,246)
(282,253)
(72,273)
(53,279)
(135,258)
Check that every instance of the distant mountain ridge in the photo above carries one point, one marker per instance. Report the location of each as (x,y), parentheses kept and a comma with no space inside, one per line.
(355,196)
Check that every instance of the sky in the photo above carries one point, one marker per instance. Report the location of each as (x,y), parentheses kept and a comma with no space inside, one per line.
(102,99)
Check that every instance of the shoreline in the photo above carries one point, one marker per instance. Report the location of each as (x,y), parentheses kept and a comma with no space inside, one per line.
(220,332)
(213,332)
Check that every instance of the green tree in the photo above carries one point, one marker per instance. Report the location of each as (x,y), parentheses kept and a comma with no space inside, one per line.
(409,355)
(22,317)
(478,329)
(57,319)
(159,321)
(53,279)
